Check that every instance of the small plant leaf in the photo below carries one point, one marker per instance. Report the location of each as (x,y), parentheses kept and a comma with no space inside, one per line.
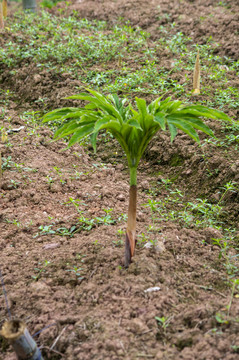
(101,122)
(184,126)
(203,111)
(81,133)
(173,131)
(141,104)
(134,122)
(58,114)
(67,129)
(160,119)
(192,121)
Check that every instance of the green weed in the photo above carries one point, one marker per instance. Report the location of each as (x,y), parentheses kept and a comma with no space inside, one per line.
(74,46)
(41,270)
(77,271)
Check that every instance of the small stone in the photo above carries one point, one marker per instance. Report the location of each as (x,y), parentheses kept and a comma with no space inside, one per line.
(39,286)
(36,199)
(119,167)
(51,246)
(37,78)
(159,247)
(140,216)
(148,245)
(145,185)
(152,289)
(216,196)
(97,186)
(120,197)
(110,345)
(54,188)
(223,67)
(137,326)
(65,75)
(234,168)
(236,177)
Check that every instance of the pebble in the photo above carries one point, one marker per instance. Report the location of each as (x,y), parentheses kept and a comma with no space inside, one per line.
(51,246)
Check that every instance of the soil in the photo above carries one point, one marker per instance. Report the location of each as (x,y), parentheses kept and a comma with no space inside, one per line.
(77,282)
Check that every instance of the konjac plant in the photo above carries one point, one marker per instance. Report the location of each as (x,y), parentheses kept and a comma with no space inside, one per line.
(133,127)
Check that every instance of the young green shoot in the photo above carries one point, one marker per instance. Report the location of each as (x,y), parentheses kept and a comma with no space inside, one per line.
(133,127)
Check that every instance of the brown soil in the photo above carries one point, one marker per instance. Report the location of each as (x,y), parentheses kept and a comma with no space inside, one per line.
(104,311)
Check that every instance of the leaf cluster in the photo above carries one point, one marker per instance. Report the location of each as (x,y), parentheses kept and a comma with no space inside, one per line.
(133,127)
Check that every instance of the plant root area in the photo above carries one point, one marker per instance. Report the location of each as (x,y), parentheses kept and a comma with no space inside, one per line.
(63,217)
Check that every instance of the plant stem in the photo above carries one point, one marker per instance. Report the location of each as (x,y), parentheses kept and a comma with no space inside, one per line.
(232,294)
(0,167)
(133,176)
(130,240)
(1,18)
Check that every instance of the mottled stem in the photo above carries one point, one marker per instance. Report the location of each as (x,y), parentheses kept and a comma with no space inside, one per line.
(130,240)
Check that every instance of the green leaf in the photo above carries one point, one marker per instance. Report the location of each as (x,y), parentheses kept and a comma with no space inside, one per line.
(99,102)
(116,101)
(173,106)
(111,125)
(104,104)
(134,122)
(148,122)
(57,114)
(184,126)
(101,121)
(193,121)
(154,105)
(90,116)
(134,112)
(160,119)
(91,106)
(200,110)
(173,131)
(141,104)
(66,129)
(93,138)
(132,127)
(79,134)
(81,96)
(74,114)
(121,141)
(165,104)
